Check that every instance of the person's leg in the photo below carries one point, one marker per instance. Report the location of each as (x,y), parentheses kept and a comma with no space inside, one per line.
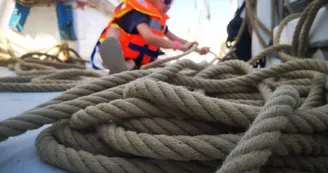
(111,52)
(131,64)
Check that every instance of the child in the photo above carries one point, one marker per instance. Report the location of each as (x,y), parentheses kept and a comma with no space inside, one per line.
(135,34)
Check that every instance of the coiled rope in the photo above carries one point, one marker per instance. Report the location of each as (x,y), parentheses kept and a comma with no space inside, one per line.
(30,68)
(45,73)
(188,118)
(146,123)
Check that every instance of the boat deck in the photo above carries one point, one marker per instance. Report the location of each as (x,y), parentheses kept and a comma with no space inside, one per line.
(18,154)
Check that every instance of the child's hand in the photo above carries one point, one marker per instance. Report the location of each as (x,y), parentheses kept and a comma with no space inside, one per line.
(204,50)
(187,46)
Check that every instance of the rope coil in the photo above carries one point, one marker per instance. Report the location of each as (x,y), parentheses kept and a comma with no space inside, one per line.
(187,118)
(138,117)
(44,72)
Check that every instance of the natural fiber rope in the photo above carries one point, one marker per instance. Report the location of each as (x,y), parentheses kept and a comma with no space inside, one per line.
(238,36)
(59,81)
(161,62)
(156,121)
(304,35)
(36,75)
(45,78)
(46,67)
(300,37)
(143,117)
(253,22)
(301,33)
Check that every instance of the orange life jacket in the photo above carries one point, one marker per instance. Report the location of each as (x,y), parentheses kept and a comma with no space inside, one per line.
(133,45)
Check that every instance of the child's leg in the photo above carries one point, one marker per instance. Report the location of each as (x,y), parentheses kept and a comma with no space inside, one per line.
(111,52)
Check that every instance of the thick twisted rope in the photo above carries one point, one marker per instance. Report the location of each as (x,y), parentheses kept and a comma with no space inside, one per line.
(299,46)
(186,117)
(145,124)
(300,38)
(257,144)
(60,81)
(51,74)
(39,70)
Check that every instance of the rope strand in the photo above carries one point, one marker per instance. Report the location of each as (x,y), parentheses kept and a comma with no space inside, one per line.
(185,117)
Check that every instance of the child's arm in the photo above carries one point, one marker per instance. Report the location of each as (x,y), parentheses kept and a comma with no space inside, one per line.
(158,41)
(173,37)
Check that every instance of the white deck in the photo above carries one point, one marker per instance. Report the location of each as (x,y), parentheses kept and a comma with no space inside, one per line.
(18,154)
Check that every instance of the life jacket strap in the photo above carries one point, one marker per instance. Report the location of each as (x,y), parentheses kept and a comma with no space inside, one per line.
(143,50)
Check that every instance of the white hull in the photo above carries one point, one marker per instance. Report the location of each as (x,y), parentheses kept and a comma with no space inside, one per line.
(41,28)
